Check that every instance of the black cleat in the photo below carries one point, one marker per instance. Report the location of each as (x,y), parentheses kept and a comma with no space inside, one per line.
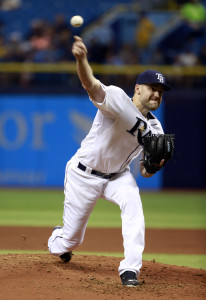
(129,278)
(66,257)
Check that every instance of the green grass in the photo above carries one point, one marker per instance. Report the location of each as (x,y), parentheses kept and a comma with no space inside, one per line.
(175,209)
(189,260)
(45,208)
(31,207)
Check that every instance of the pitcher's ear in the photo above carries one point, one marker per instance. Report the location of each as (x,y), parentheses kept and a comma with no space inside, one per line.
(137,89)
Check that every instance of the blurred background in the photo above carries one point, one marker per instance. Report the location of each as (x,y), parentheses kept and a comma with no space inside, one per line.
(44,111)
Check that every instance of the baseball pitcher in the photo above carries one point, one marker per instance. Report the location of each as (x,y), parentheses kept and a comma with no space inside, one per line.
(123,129)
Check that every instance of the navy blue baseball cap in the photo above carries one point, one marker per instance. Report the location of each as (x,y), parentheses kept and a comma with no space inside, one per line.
(153,77)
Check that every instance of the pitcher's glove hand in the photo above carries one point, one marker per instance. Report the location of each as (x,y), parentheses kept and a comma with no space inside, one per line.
(157,148)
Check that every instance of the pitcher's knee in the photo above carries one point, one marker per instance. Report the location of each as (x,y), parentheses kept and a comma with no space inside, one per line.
(58,245)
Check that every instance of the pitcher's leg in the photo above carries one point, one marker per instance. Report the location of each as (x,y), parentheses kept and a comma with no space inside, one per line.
(81,195)
(133,231)
(123,191)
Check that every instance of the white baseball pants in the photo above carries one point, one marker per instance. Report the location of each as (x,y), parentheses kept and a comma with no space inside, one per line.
(82,190)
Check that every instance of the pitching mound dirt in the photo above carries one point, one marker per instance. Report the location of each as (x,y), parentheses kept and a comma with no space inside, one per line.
(43,276)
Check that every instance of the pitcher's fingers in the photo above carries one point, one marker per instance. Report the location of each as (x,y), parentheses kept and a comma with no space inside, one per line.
(77,38)
(81,45)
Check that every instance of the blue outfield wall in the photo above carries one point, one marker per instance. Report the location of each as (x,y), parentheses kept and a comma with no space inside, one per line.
(39,134)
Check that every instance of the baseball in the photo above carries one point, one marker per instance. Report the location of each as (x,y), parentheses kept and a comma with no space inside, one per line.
(77,21)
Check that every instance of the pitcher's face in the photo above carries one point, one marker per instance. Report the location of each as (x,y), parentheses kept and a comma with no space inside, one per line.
(150,96)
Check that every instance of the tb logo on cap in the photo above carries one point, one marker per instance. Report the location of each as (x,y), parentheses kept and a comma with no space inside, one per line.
(160,77)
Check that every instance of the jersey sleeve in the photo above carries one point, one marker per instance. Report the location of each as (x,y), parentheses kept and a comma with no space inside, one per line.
(114,101)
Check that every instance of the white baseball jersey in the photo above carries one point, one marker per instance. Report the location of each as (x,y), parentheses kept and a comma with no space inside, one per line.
(114,139)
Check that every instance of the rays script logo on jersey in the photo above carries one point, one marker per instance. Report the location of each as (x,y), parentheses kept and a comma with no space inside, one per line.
(141,129)
(160,77)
